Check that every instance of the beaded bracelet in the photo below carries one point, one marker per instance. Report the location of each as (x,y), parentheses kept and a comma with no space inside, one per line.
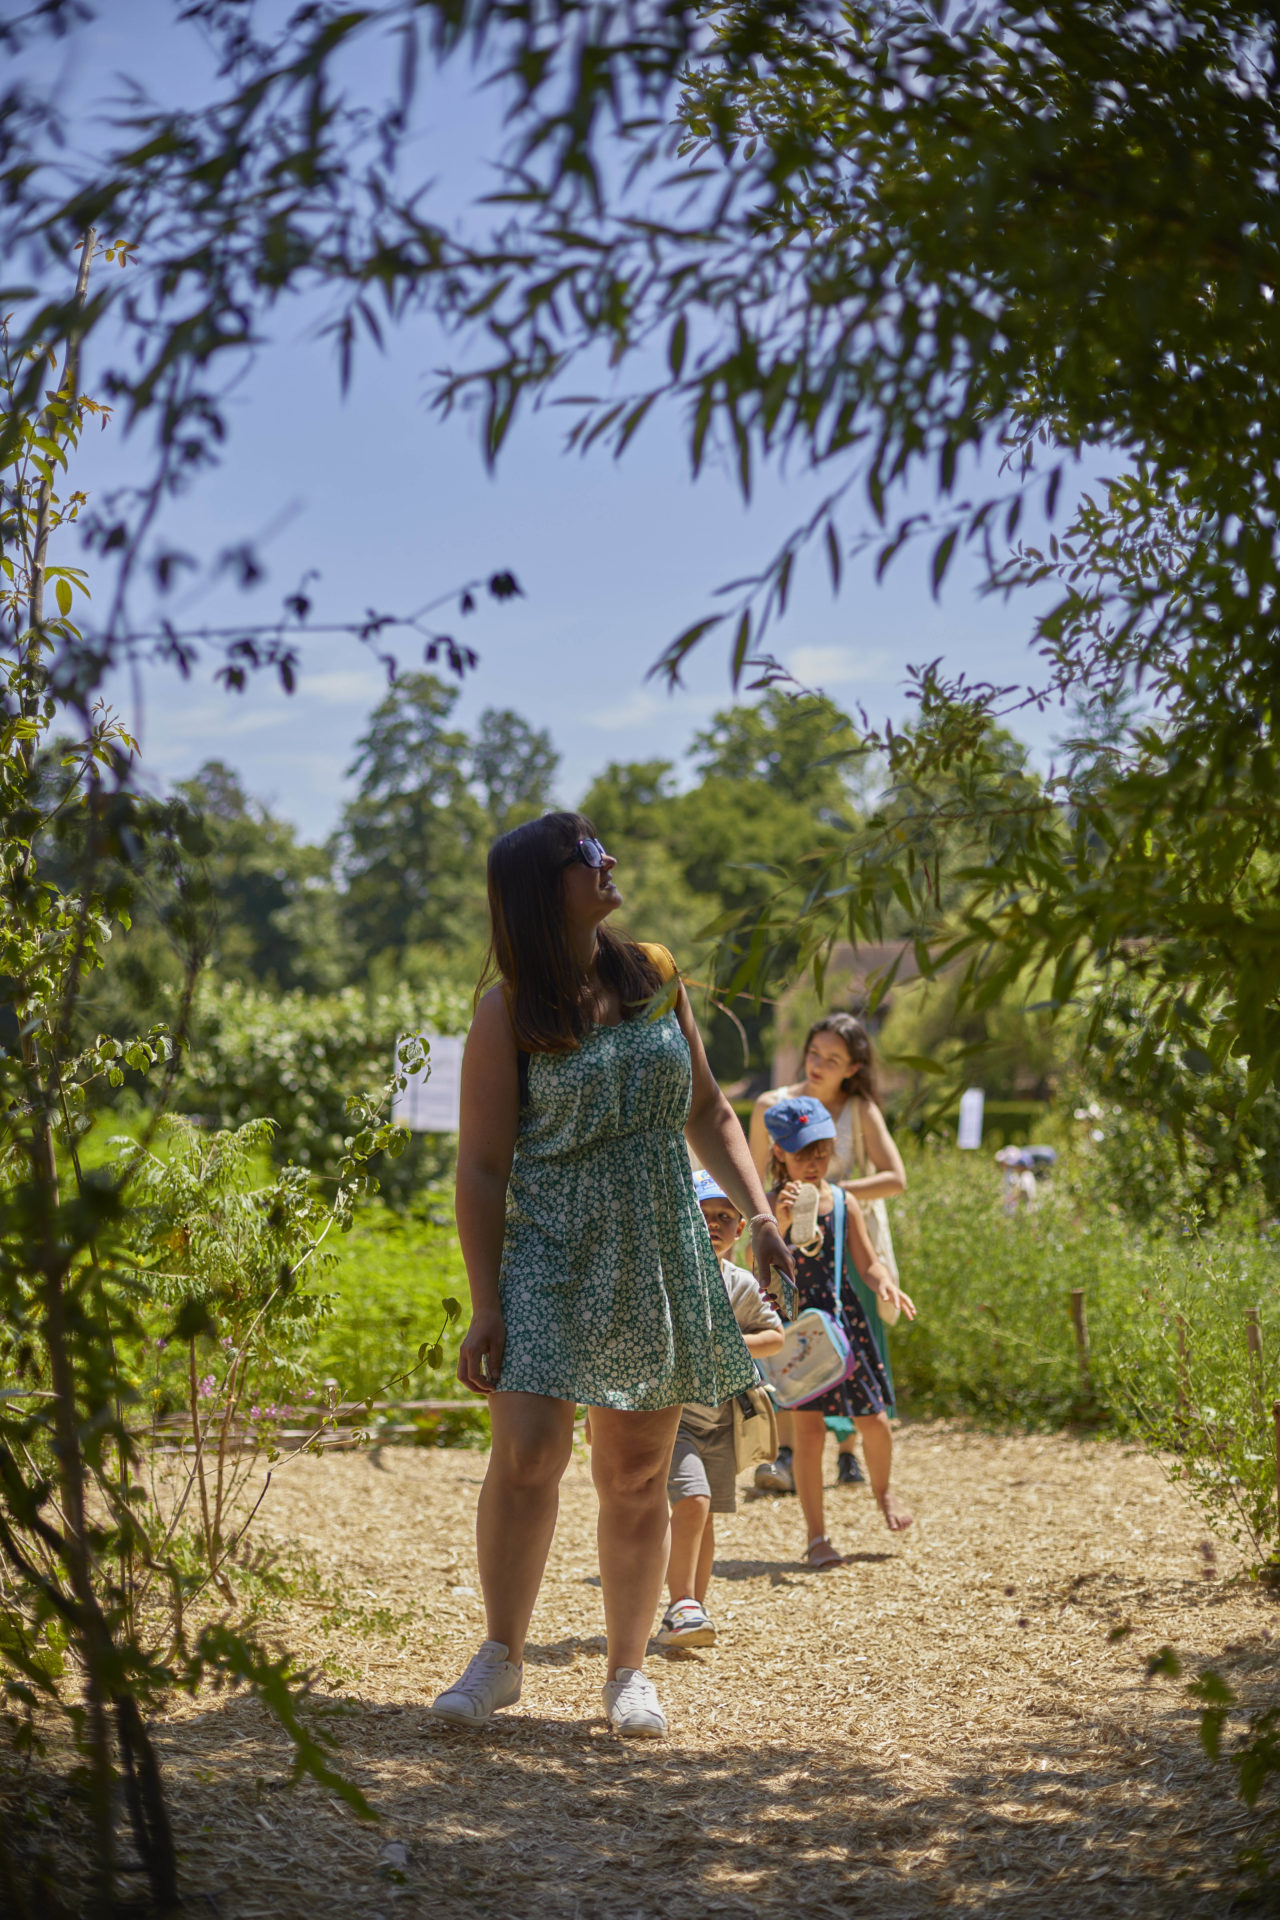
(761,1220)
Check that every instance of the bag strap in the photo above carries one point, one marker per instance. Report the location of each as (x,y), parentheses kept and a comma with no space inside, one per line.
(668,977)
(837,1222)
(661,959)
(859,1138)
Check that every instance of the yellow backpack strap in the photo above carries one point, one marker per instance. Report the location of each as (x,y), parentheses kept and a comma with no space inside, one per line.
(667,968)
(667,973)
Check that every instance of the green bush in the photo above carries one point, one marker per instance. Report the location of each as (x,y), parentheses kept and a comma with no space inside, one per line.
(389,1282)
(1165,1311)
(293,1058)
(994,1335)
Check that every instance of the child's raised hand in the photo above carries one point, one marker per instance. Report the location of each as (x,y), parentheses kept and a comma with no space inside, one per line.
(785,1205)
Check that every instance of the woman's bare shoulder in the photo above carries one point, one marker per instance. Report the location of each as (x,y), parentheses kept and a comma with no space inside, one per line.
(771,1096)
(491,1022)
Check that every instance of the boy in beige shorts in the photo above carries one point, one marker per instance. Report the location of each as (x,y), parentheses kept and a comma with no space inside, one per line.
(703,1478)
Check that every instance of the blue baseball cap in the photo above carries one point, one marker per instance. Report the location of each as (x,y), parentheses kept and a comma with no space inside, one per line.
(797,1123)
(705,1188)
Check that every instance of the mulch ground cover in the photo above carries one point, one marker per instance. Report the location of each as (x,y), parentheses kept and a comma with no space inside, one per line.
(948,1722)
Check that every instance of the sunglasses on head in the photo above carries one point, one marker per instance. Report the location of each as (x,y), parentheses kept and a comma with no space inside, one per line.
(590,852)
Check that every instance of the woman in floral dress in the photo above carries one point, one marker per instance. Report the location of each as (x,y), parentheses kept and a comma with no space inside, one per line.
(593,1279)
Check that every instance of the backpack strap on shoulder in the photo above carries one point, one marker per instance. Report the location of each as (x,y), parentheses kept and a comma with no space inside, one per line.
(668,976)
(837,1224)
(662,960)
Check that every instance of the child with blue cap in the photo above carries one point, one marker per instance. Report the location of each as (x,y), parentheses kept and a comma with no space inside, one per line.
(802,1134)
(703,1476)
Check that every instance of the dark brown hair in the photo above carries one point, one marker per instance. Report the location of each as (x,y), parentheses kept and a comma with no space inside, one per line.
(862,1081)
(528,947)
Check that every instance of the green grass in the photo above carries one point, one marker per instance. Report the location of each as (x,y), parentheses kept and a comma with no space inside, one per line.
(393,1274)
(1166,1311)
(995,1335)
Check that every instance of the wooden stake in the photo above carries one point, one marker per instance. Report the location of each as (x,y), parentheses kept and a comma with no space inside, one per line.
(1082,1337)
(1275,1414)
(1253,1340)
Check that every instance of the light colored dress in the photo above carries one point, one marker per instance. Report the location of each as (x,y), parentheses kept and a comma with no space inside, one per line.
(610,1289)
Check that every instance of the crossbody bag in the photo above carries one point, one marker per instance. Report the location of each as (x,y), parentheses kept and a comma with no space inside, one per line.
(816,1354)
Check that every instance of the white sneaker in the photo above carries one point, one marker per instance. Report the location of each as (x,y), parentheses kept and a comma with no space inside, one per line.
(631,1705)
(490,1681)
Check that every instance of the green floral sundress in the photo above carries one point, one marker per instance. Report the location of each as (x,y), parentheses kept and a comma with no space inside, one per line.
(610,1289)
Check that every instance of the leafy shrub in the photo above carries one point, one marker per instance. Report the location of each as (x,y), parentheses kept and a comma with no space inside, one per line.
(390,1281)
(294,1058)
(1170,1126)
(994,1335)
(1197,1394)
(1166,1314)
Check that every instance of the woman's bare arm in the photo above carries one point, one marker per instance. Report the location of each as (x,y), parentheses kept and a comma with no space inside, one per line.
(758,1137)
(489,1115)
(890,1176)
(715,1133)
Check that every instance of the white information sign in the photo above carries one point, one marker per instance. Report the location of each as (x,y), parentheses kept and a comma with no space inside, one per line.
(969,1134)
(429,1104)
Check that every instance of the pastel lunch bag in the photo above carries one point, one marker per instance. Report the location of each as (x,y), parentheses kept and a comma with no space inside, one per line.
(816,1354)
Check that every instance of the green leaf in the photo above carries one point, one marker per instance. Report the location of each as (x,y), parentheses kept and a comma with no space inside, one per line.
(942,559)
(62,592)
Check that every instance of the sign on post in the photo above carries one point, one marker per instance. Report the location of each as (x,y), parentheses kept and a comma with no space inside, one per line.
(969,1133)
(429,1103)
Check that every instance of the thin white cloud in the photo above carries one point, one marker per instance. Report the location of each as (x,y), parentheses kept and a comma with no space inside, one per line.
(637,709)
(343,686)
(839,666)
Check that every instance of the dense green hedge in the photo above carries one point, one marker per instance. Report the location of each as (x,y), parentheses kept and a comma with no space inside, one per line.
(293,1058)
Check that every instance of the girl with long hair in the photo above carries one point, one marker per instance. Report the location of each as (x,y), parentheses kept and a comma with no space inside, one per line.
(838,1066)
(592,1275)
(802,1140)
(839,1070)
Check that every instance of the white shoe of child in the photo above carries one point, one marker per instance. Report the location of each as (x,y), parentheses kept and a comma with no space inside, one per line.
(631,1705)
(490,1681)
(685,1624)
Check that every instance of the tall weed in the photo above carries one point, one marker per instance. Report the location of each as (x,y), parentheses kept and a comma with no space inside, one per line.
(1165,1308)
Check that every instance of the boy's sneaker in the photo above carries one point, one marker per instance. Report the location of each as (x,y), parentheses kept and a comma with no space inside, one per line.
(490,1681)
(684,1624)
(848,1472)
(775,1476)
(631,1705)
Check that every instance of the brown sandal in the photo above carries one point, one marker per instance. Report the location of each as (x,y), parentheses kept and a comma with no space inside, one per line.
(822,1554)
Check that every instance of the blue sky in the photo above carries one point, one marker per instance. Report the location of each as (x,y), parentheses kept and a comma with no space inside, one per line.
(392,507)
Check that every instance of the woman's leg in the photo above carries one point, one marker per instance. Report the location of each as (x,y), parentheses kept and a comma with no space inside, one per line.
(689,1520)
(810,1433)
(630,1457)
(706,1559)
(532,1441)
(877,1441)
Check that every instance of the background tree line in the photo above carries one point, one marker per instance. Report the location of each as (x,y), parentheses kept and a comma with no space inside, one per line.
(395,896)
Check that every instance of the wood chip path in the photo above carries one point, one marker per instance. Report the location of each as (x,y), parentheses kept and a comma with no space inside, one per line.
(944,1724)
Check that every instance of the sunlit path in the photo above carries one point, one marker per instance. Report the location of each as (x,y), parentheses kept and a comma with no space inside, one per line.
(945,1723)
